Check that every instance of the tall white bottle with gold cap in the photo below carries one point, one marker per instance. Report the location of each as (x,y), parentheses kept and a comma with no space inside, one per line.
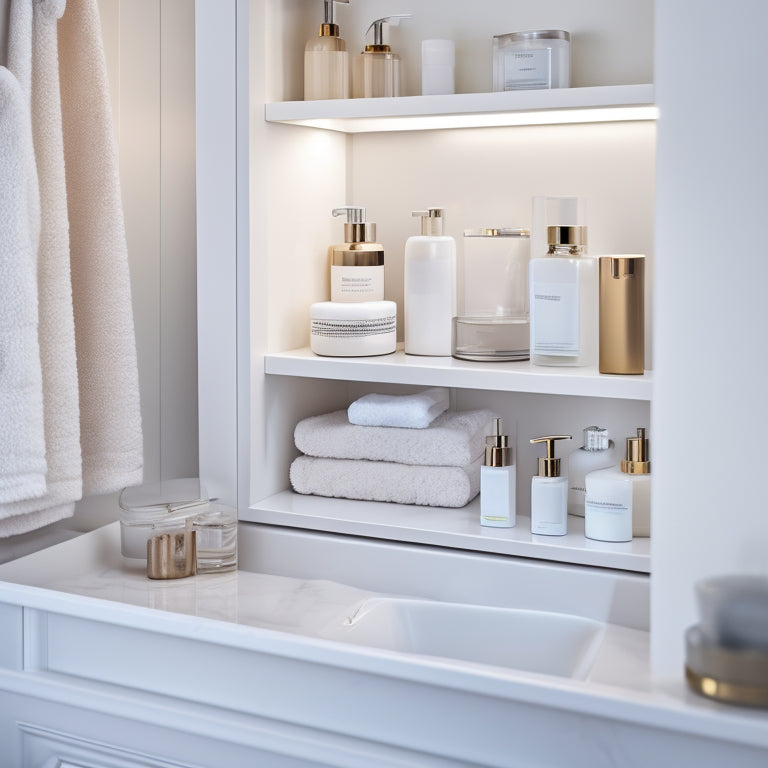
(497,482)
(326,61)
(429,287)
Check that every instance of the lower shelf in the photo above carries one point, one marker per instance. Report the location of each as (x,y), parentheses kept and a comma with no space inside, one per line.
(446,527)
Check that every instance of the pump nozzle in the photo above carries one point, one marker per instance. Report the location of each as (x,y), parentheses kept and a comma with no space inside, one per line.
(636,461)
(432,220)
(497,450)
(356,228)
(329,27)
(549,466)
(378,30)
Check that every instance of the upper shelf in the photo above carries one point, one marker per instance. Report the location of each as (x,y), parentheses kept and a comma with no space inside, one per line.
(470,110)
(399,368)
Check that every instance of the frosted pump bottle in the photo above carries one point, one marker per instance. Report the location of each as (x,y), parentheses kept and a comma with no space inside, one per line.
(326,61)
(549,492)
(376,71)
(429,287)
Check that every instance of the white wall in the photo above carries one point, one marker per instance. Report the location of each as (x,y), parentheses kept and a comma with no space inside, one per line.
(709,413)
(149,46)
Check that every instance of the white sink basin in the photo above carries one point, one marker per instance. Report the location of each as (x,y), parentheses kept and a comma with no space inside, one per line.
(531,641)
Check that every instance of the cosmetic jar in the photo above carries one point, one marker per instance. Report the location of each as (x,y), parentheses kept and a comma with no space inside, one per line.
(352,329)
(493,319)
(155,508)
(533,59)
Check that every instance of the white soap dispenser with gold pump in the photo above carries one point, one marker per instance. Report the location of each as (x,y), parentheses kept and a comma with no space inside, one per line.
(326,61)
(357,264)
(497,481)
(376,71)
(549,492)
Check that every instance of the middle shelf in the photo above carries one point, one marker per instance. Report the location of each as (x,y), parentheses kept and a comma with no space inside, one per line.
(456,528)
(399,368)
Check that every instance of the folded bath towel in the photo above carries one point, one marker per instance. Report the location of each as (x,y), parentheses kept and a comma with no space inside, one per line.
(385,481)
(110,416)
(32,32)
(22,438)
(454,439)
(413,411)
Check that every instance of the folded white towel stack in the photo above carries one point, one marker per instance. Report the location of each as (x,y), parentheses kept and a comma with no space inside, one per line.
(437,466)
(110,416)
(22,439)
(386,481)
(415,411)
(454,439)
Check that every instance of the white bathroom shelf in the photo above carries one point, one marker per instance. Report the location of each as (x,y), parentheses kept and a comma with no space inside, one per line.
(399,368)
(446,527)
(470,110)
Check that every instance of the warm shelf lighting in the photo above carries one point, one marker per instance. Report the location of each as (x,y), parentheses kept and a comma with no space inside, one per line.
(482,120)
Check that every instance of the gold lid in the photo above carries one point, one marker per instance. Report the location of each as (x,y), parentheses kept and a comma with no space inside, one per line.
(570,235)
(636,461)
(549,466)
(329,30)
(377,48)
(172,555)
(356,255)
(497,450)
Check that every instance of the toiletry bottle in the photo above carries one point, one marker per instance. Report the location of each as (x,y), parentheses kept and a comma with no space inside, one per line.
(564,300)
(618,500)
(598,452)
(622,314)
(326,62)
(376,70)
(357,264)
(429,287)
(497,481)
(549,492)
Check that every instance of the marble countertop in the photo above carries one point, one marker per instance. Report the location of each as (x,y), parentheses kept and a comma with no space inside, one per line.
(88,577)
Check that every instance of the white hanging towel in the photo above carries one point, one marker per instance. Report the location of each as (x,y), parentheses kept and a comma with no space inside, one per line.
(32,33)
(110,416)
(22,438)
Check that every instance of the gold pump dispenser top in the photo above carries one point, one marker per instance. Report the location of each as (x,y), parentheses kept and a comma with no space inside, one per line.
(378,45)
(359,248)
(329,27)
(497,450)
(549,466)
(432,221)
(637,461)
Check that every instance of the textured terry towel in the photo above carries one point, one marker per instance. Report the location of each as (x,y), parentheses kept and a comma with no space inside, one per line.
(454,439)
(32,33)
(416,411)
(22,439)
(110,416)
(385,481)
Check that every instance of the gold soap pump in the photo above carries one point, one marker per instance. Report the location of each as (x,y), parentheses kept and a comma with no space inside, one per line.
(326,62)
(376,70)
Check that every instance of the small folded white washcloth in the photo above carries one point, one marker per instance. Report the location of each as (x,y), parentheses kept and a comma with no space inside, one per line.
(411,411)
(386,481)
(454,439)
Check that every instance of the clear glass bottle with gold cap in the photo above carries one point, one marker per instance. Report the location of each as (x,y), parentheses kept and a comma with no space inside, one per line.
(564,300)
(549,492)
(357,264)
(497,482)
(326,61)
(376,71)
(618,500)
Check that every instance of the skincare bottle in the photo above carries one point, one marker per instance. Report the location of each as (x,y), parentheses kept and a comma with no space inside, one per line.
(357,264)
(618,500)
(326,62)
(598,452)
(549,492)
(564,300)
(429,287)
(376,70)
(497,481)
(622,314)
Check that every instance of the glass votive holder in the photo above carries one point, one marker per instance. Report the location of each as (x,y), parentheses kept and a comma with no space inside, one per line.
(216,529)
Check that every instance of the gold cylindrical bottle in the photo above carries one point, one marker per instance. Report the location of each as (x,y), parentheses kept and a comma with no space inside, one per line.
(622,314)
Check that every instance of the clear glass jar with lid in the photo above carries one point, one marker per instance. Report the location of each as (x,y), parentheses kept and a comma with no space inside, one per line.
(538,58)
(493,318)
